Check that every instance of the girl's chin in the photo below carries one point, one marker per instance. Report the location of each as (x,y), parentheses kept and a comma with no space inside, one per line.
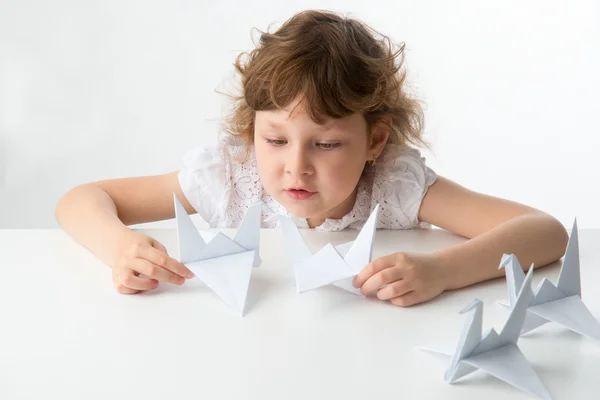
(300,211)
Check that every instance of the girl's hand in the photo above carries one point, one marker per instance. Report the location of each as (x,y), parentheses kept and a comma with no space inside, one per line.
(141,254)
(403,278)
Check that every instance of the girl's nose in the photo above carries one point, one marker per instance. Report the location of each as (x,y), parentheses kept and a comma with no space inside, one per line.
(298,163)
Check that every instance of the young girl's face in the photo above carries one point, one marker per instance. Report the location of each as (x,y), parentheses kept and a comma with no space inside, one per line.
(310,169)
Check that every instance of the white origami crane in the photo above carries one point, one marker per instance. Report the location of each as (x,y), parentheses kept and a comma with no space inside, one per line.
(497,354)
(330,265)
(223,264)
(561,303)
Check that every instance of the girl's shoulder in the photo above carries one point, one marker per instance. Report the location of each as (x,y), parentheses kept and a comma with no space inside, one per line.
(402,162)
(398,181)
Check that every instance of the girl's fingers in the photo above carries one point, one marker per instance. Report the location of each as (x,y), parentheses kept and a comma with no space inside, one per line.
(372,268)
(406,300)
(394,289)
(119,286)
(158,245)
(159,256)
(384,277)
(130,280)
(153,271)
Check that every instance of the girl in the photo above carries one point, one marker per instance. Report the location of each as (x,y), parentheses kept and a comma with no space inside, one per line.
(322,132)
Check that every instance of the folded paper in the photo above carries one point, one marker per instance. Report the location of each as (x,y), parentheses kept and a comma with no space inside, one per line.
(561,303)
(223,264)
(330,265)
(495,353)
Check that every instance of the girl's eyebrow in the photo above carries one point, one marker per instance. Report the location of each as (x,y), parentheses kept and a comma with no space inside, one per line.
(274,124)
(326,127)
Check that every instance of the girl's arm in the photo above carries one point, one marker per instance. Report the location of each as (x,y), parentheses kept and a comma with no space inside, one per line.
(97,214)
(494,226)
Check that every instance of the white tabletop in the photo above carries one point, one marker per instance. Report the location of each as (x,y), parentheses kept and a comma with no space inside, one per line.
(66,333)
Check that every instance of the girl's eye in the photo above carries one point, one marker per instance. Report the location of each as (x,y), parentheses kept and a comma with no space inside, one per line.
(276,142)
(328,146)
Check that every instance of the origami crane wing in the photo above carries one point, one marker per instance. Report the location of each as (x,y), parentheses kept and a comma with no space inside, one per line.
(359,254)
(570,312)
(514,323)
(361,251)
(546,291)
(248,233)
(569,279)
(190,242)
(508,364)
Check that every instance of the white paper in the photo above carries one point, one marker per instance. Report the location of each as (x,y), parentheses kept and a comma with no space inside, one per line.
(223,264)
(562,303)
(496,353)
(329,265)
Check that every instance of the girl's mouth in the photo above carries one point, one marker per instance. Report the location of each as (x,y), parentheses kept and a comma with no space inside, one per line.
(300,194)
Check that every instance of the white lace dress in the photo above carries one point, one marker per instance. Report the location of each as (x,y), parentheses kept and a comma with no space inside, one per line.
(221,188)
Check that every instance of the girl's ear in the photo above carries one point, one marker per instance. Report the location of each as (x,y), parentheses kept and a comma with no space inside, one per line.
(380,133)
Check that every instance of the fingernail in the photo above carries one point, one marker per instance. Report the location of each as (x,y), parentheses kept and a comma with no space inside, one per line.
(180,280)
(190,275)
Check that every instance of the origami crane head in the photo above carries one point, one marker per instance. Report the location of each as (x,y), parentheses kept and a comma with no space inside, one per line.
(330,265)
(223,264)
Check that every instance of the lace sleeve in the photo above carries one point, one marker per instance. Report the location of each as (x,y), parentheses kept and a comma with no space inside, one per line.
(401,181)
(202,180)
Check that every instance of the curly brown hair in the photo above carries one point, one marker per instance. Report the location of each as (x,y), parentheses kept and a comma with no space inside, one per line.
(338,65)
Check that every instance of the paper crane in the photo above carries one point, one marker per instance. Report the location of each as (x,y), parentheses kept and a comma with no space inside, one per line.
(496,354)
(223,264)
(561,303)
(330,265)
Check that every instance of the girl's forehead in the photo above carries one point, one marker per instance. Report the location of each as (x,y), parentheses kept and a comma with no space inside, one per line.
(283,118)
(299,109)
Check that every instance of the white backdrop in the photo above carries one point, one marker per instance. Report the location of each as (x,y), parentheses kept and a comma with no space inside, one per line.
(92,90)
